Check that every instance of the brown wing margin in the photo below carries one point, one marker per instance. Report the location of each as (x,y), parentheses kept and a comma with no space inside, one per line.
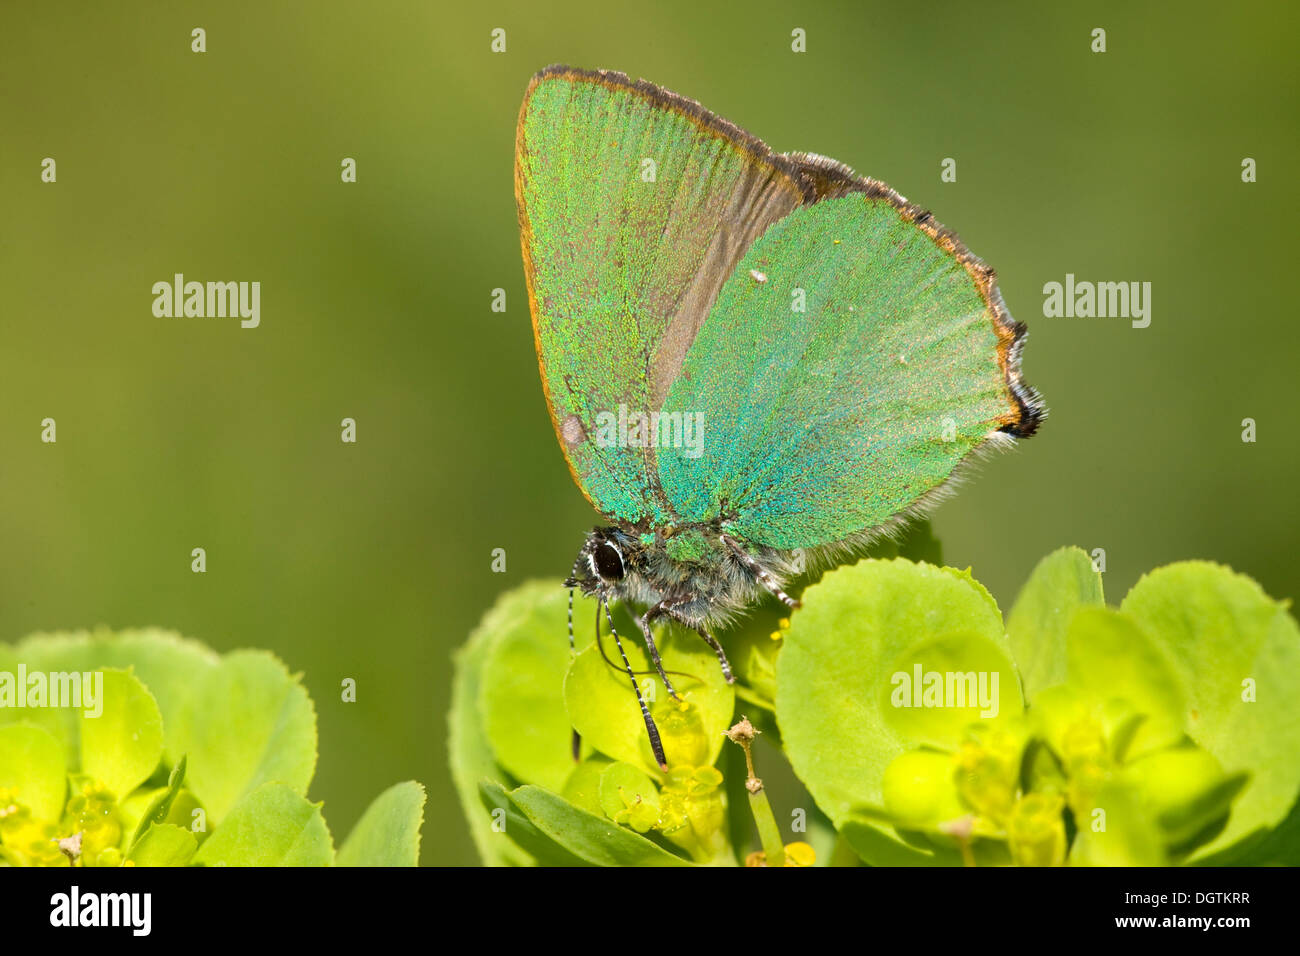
(684,106)
(830,179)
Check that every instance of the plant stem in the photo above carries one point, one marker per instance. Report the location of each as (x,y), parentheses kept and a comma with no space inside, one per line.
(769,834)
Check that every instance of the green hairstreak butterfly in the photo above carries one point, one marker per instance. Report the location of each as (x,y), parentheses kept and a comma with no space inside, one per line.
(749,356)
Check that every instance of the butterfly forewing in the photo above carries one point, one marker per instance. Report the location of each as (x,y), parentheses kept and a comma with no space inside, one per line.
(635,206)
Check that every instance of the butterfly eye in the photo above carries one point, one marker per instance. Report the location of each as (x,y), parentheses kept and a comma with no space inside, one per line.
(608,561)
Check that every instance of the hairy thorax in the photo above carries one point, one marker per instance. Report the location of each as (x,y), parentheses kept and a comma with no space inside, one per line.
(698,576)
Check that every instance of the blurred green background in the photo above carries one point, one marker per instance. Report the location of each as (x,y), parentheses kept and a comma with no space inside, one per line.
(373,560)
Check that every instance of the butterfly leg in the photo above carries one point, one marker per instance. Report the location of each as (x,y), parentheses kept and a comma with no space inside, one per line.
(708,639)
(760,573)
(717,649)
(644,623)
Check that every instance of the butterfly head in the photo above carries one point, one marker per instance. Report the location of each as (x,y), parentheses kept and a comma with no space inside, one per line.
(602,563)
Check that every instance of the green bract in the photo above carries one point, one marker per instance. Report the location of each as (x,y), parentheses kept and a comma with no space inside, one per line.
(185,758)
(1237,654)
(926,730)
(615,807)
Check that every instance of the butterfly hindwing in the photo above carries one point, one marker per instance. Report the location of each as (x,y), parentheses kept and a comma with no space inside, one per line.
(852,360)
(635,206)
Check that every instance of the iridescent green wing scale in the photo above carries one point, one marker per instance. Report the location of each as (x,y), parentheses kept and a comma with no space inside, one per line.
(635,205)
(853,359)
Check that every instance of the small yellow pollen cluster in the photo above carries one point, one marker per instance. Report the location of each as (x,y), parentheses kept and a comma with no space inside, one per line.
(88,833)
(796,854)
(691,812)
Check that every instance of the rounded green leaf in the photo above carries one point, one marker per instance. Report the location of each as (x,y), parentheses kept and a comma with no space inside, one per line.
(1061,583)
(941,685)
(19,686)
(1110,657)
(1238,654)
(603,707)
(388,833)
(521,692)
(273,825)
(629,796)
(582,789)
(247,721)
(168,665)
(121,745)
(919,790)
(1184,789)
(469,750)
(33,769)
(858,628)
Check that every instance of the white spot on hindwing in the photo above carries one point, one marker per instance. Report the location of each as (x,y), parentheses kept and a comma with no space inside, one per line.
(571,430)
